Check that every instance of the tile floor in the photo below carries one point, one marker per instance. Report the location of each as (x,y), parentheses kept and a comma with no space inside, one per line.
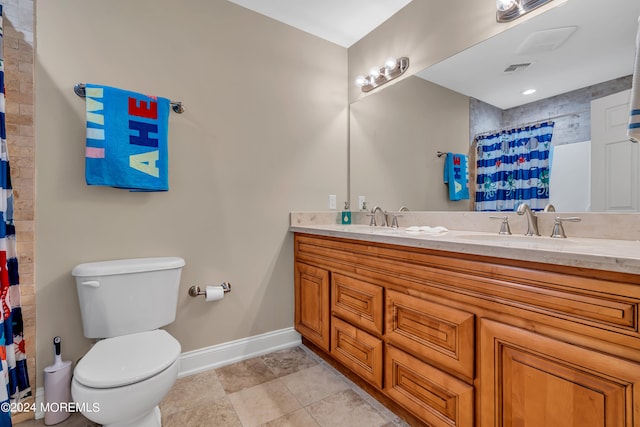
(287,388)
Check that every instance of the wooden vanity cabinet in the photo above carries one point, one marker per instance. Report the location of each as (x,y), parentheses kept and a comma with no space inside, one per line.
(467,340)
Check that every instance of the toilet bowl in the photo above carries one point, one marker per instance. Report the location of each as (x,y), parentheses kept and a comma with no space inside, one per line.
(121,380)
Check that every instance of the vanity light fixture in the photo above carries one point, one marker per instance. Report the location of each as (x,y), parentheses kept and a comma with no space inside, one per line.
(508,10)
(392,69)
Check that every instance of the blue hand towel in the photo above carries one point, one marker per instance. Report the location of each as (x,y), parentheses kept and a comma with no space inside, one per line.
(634,117)
(126,139)
(455,174)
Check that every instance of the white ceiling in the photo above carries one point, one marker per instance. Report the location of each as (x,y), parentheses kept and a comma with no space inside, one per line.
(601,49)
(343,22)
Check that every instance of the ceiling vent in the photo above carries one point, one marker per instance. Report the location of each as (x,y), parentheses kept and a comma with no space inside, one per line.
(545,40)
(517,68)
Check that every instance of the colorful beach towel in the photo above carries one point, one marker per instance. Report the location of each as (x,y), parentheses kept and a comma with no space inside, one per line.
(126,139)
(634,117)
(455,174)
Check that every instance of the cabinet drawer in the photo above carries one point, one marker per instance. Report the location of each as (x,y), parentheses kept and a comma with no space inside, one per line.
(358,350)
(436,397)
(358,302)
(441,335)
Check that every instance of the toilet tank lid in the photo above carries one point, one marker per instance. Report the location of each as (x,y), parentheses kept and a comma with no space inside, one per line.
(124,266)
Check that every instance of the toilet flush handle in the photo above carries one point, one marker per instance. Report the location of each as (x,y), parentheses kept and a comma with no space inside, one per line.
(91,283)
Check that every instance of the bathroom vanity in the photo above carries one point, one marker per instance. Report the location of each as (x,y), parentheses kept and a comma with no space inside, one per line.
(457,330)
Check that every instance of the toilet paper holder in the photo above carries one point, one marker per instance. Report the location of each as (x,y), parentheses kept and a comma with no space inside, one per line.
(195,291)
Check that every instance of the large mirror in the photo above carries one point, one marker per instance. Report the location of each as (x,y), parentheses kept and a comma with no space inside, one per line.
(573,55)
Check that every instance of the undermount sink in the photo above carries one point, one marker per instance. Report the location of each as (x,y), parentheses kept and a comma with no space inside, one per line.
(519,239)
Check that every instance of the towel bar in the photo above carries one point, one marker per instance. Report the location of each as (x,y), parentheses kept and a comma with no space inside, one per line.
(80,90)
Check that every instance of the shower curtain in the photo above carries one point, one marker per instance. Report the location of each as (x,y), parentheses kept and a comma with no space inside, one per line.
(513,168)
(12,350)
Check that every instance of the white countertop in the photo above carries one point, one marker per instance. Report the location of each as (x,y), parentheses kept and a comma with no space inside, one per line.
(602,254)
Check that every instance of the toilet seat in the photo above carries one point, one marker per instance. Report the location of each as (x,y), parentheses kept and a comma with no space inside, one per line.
(127,359)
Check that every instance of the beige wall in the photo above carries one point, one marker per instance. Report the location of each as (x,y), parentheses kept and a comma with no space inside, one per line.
(395,136)
(264,133)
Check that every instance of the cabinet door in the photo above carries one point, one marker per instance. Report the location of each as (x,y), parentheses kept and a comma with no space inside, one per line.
(529,380)
(358,302)
(312,304)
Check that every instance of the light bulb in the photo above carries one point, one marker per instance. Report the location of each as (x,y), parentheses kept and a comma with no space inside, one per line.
(361,81)
(390,64)
(374,73)
(503,5)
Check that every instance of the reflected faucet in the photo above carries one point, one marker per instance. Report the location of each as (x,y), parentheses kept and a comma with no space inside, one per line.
(373,213)
(532,219)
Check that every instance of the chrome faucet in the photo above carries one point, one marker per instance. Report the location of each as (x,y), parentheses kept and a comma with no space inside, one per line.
(558,229)
(532,219)
(373,216)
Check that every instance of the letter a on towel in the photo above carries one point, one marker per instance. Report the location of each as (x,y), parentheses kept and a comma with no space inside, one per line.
(126,144)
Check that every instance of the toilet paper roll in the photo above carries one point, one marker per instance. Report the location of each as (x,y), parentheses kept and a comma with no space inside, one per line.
(214,293)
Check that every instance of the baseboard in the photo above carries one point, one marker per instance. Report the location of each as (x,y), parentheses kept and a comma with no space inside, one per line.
(39,399)
(204,359)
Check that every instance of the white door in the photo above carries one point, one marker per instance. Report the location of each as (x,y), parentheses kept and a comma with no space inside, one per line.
(614,159)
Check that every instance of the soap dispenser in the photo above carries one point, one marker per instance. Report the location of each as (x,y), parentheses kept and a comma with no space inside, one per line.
(346,214)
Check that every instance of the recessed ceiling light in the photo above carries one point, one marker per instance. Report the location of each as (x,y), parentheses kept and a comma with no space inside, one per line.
(529,91)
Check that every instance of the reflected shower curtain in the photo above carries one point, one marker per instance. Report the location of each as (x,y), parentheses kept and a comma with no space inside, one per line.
(513,168)
(13,366)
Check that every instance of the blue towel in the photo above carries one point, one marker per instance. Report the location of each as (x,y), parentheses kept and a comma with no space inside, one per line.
(634,103)
(456,175)
(126,139)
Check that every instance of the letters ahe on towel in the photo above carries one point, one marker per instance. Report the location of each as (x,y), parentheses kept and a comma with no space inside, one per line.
(126,139)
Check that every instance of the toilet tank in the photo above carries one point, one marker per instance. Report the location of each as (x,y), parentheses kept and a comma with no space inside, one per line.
(126,296)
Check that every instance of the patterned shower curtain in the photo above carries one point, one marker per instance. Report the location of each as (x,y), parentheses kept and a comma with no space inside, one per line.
(13,366)
(513,168)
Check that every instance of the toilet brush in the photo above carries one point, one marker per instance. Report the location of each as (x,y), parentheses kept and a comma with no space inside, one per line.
(57,388)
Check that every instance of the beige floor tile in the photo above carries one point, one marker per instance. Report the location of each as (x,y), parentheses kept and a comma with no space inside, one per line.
(288,361)
(244,374)
(263,403)
(313,384)
(287,388)
(193,390)
(299,418)
(219,414)
(345,409)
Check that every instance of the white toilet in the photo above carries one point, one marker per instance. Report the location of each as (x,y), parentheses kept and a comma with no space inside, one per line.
(124,376)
